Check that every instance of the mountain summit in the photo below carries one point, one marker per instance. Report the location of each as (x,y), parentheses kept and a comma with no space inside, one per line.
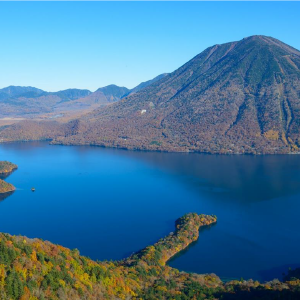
(238,97)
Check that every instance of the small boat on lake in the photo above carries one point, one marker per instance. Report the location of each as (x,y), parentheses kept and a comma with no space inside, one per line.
(33,189)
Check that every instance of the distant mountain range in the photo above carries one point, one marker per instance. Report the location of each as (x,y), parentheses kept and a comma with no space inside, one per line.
(238,97)
(15,92)
(18,101)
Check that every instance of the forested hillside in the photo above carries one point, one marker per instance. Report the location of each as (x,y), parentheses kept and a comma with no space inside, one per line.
(32,269)
(239,97)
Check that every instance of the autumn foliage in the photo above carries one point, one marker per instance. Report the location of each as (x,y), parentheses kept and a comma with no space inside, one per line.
(32,269)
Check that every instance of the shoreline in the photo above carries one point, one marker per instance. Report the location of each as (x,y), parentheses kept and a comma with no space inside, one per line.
(228,153)
(142,273)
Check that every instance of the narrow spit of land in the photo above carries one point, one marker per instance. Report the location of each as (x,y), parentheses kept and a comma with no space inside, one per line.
(186,232)
(33,269)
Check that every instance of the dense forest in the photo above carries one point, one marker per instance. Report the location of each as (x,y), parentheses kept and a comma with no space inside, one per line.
(32,269)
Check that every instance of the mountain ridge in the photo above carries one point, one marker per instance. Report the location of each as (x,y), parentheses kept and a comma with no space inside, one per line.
(144,84)
(237,97)
(29,102)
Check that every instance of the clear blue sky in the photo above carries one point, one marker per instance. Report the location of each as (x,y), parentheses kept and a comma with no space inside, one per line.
(59,45)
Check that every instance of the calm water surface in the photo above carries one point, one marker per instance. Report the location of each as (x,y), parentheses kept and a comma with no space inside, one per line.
(109,203)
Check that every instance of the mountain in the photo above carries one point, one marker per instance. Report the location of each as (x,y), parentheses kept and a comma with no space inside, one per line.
(144,85)
(101,97)
(32,92)
(30,102)
(238,97)
(17,101)
(18,91)
(113,92)
(13,91)
(71,94)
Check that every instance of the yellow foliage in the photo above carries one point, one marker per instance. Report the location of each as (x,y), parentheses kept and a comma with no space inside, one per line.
(62,283)
(267,287)
(272,135)
(162,288)
(2,275)
(77,285)
(85,279)
(283,137)
(33,256)
(294,282)
(26,295)
(23,272)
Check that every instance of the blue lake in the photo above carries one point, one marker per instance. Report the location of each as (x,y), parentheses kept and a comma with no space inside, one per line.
(109,203)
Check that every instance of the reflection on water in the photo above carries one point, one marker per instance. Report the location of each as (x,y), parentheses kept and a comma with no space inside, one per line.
(109,203)
(3,196)
(192,245)
(245,177)
(3,176)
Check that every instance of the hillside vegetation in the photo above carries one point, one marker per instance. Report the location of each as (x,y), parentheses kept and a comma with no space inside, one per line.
(32,269)
(238,97)
(6,187)
(6,168)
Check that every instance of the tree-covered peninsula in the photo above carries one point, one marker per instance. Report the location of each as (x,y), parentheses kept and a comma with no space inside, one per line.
(5,169)
(6,187)
(32,269)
